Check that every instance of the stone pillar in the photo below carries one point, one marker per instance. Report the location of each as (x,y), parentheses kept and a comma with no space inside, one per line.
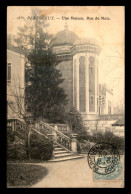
(74,143)
(68,129)
(76,83)
(54,133)
(96,85)
(87,83)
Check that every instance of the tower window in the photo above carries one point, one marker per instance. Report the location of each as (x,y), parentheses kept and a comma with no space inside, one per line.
(9,73)
(82,90)
(91,70)
(92,101)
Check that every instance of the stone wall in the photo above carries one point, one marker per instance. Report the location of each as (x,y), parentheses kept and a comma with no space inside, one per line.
(102,126)
(66,68)
(15,89)
(110,117)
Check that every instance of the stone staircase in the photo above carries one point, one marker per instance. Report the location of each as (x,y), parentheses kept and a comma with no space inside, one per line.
(60,154)
(62,143)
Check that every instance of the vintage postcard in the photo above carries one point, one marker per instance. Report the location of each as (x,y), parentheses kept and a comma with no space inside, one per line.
(65,97)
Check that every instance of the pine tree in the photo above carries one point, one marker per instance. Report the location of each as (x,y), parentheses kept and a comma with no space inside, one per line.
(42,79)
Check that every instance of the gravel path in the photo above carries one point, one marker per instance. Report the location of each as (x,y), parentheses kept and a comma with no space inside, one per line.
(71,174)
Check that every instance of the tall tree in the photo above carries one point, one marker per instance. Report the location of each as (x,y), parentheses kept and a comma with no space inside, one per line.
(43,93)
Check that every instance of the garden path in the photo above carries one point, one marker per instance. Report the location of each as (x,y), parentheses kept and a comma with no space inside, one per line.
(70,174)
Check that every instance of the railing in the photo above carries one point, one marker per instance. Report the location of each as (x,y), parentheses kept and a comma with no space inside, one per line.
(16,126)
(11,124)
(61,127)
(58,137)
(42,128)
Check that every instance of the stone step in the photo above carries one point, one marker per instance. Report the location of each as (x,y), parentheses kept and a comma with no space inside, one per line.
(60,151)
(56,146)
(63,155)
(65,158)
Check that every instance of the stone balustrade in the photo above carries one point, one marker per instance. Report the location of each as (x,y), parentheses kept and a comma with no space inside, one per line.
(61,127)
(55,133)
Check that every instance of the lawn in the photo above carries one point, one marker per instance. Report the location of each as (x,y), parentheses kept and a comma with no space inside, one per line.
(24,174)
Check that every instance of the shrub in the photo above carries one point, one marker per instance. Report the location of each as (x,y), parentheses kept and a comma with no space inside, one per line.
(86,145)
(10,136)
(98,137)
(74,120)
(109,137)
(15,149)
(79,149)
(40,147)
(115,140)
(90,138)
(82,135)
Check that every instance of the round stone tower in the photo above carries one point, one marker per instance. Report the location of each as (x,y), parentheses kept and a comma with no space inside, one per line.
(78,62)
(85,76)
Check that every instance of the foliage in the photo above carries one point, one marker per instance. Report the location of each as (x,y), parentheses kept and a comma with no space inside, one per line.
(44,98)
(56,114)
(86,145)
(24,174)
(40,147)
(43,95)
(86,141)
(10,136)
(79,148)
(15,149)
(74,120)
(82,135)
(107,137)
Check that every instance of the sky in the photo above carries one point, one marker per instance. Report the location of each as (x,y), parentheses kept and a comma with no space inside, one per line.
(109,33)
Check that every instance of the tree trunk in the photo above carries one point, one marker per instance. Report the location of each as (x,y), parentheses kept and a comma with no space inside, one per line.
(29,133)
(28,143)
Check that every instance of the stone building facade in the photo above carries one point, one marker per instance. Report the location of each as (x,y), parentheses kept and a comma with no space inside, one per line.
(15,80)
(79,63)
(105,100)
(78,60)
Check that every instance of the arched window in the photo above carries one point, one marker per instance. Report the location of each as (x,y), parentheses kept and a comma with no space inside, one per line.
(92,83)
(91,60)
(91,65)
(82,91)
(82,60)
(75,83)
(91,70)
(91,99)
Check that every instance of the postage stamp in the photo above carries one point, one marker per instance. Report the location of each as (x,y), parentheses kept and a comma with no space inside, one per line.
(116,175)
(106,162)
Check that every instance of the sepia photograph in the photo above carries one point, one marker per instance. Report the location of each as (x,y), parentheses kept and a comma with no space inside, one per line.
(65,97)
